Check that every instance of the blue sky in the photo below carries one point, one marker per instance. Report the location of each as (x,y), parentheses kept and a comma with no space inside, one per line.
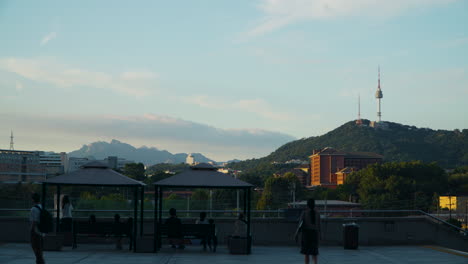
(230,79)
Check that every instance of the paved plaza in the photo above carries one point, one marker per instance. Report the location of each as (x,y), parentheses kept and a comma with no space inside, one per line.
(11,253)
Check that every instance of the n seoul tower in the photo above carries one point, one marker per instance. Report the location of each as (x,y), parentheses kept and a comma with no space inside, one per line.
(379,95)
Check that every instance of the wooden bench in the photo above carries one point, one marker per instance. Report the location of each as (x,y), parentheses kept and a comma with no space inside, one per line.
(190,231)
(101,229)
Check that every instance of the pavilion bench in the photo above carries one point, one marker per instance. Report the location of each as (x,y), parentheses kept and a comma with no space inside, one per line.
(194,231)
(101,229)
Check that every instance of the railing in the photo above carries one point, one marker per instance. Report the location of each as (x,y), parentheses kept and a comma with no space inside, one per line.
(278,214)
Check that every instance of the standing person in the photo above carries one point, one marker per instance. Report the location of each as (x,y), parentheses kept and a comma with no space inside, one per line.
(67,208)
(174,230)
(36,236)
(310,219)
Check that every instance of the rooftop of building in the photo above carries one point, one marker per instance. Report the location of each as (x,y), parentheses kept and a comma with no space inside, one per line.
(346,170)
(347,154)
(105,254)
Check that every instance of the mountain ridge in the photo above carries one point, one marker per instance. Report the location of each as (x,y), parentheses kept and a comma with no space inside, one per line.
(144,154)
(396,143)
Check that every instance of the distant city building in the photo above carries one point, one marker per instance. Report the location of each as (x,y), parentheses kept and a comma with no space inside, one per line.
(54,163)
(21,166)
(329,167)
(295,161)
(75,164)
(116,163)
(113,162)
(224,170)
(190,160)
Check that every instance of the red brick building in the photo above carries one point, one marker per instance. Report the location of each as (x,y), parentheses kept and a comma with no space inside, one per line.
(329,167)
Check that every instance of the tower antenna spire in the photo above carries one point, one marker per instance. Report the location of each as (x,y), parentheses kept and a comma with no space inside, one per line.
(359,106)
(378,87)
(359,121)
(11,141)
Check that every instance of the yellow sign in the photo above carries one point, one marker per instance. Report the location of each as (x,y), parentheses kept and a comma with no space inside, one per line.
(449,202)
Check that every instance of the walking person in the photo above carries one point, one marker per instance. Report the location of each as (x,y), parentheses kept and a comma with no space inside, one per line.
(36,236)
(310,228)
(66,212)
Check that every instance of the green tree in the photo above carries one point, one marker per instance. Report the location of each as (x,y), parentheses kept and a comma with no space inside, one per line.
(135,171)
(397,185)
(201,194)
(278,191)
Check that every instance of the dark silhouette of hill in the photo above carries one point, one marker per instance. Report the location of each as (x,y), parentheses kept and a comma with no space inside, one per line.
(145,155)
(397,143)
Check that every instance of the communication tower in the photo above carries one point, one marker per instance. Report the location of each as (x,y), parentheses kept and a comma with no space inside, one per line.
(379,95)
(11,141)
(359,121)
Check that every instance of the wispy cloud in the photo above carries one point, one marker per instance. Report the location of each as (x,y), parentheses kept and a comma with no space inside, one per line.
(47,70)
(280,13)
(258,107)
(18,86)
(173,134)
(48,38)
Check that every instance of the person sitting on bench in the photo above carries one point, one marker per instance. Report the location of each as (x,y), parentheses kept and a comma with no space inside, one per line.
(174,230)
(202,221)
(212,238)
(240,226)
(117,229)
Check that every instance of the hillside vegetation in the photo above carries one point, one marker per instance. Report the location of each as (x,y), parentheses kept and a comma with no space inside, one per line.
(449,149)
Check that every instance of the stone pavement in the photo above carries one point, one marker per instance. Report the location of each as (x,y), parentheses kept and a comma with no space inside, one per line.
(104,254)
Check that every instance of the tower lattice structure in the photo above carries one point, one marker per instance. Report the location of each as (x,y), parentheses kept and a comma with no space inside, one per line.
(11,141)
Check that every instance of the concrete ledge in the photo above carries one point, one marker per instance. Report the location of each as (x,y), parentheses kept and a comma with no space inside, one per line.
(373,231)
(53,242)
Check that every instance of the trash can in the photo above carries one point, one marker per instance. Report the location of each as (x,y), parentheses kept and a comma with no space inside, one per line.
(350,236)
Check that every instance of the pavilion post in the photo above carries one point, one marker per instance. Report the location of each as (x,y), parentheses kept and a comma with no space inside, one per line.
(249,239)
(57,220)
(160,194)
(43,198)
(135,209)
(142,197)
(245,202)
(155,220)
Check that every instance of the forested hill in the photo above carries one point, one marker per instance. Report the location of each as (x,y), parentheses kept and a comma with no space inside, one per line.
(397,143)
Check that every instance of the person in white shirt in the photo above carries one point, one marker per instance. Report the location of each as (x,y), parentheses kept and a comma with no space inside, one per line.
(36,236)
(240,226)
(66,214)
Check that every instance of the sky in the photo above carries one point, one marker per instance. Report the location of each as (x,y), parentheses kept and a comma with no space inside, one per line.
(229,79)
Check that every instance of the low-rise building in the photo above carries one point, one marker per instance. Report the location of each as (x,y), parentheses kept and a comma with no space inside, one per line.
(113,162)
(21,166)
(327,164)
(53,163)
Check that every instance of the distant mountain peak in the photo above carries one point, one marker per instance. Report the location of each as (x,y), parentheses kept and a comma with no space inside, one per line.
(115,141)
(144,154)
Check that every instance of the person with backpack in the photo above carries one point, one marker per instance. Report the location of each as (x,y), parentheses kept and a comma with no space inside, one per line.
(36,234)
